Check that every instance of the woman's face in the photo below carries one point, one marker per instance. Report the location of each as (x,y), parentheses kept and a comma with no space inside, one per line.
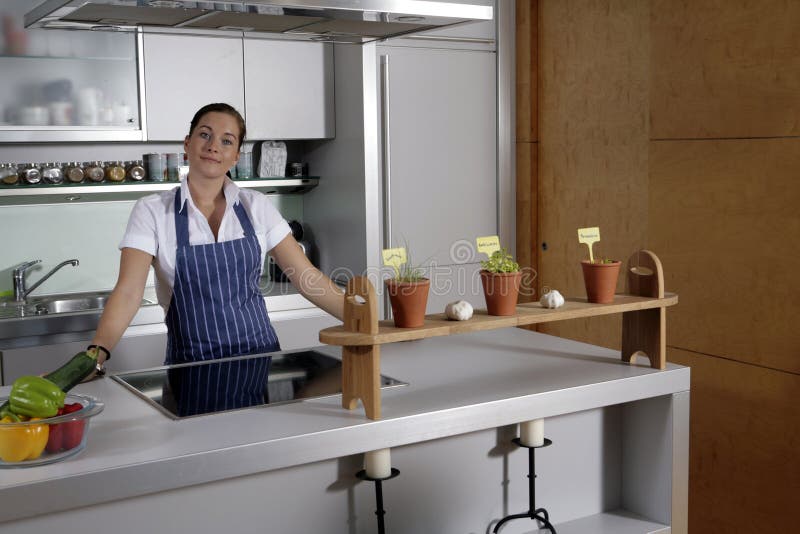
(213,147)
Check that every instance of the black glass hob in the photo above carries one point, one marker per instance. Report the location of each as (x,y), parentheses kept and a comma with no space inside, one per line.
(214,386)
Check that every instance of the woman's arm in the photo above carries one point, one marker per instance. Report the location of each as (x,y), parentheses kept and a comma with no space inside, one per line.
(125,299)
(311,283)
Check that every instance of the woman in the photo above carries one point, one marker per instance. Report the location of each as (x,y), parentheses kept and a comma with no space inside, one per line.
(207,241)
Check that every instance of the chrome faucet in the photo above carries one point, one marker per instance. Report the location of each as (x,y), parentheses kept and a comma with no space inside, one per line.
(20,292)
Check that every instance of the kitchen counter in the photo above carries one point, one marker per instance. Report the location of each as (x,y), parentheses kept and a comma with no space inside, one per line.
(459,384)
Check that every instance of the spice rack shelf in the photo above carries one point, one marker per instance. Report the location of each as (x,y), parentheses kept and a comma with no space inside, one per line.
(77,193)
(67,58)
(643,308)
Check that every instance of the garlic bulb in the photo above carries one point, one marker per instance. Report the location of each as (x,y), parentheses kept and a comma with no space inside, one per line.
(460,310)
(552,299)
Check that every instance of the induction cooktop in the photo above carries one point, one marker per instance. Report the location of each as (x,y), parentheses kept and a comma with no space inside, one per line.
(187,390)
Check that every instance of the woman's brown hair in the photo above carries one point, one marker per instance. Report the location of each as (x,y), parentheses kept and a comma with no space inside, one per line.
(220,107)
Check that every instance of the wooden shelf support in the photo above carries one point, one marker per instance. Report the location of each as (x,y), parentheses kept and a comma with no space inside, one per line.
(645,331)
(361,365)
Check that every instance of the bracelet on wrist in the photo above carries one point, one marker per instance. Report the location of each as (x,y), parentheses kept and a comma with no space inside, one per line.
(102,348)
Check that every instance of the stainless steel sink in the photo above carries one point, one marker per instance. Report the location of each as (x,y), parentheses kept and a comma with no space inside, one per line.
(25,324)
(71,303)
(67,305)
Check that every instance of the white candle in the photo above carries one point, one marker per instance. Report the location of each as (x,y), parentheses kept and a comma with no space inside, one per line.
(378,464)
(531,433)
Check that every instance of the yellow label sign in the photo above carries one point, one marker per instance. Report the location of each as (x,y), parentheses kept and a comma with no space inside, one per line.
(394,257)
(488,244)
(588,236)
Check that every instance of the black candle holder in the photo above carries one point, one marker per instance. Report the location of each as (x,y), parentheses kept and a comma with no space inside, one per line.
(380,512)
(539,514)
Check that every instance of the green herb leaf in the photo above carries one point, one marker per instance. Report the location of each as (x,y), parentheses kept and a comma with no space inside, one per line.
(500,262)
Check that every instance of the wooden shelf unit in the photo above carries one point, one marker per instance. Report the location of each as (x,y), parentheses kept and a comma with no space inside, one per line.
(643,308)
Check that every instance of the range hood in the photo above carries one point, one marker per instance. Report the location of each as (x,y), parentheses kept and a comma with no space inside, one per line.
(354,21)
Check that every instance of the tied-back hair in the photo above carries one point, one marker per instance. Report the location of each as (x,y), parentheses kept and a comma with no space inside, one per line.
(220,107)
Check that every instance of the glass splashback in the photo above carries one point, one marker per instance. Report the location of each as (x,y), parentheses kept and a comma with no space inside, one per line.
(187,390)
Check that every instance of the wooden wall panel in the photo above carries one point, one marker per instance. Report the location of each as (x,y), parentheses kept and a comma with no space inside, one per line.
(527,66)
(593,149)
(527,53)
(526,196)
(725,68)
(725,220)
(744,469)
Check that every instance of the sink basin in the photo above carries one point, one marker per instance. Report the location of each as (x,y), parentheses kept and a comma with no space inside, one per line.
(70,305)
(67,316)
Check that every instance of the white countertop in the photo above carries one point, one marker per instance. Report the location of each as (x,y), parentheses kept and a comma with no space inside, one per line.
(458,384)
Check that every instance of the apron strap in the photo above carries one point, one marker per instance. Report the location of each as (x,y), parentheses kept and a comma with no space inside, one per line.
(244,220)
(181,220)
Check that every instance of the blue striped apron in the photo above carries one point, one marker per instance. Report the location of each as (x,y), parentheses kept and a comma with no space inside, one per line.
(217,311)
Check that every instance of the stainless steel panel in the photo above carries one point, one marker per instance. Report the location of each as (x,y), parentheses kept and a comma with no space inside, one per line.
(365,19)
(443,151)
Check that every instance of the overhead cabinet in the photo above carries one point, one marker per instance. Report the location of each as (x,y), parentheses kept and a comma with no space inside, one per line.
(283,89)
(289,89)
(62,86)
(182,74)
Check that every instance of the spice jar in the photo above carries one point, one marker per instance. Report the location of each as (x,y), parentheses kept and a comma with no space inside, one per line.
(29,173)
(52,174)
(8,174)
(94,171)
(114,171)
(136,170)
(74,172)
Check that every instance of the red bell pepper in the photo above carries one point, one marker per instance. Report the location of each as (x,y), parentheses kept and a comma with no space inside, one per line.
(66,436)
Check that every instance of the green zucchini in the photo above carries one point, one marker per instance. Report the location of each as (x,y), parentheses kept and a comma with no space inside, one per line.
(71,373)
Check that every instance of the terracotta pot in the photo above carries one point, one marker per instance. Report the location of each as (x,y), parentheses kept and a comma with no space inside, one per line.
(501,291)
(409,300)
(600,280)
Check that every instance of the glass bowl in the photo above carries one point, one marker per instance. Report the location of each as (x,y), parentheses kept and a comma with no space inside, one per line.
(66,435)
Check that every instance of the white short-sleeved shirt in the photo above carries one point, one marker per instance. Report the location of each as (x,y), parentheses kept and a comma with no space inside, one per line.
(151,228)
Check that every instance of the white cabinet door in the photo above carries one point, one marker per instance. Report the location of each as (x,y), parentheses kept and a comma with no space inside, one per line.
(289,87)
(183,73)
(442,149)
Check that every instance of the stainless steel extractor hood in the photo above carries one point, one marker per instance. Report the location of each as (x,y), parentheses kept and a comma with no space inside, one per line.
(356,21)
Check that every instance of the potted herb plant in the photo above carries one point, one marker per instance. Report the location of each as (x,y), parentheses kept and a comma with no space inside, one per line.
(408,295)
(600,277)
(501,278)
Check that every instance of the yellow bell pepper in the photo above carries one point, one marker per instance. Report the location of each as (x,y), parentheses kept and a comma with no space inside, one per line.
(21,441)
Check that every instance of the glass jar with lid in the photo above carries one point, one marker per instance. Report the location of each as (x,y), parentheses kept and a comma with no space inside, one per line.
(52,173)
(135,171)
(114,171)
(74,172)
(8,174)
(29,173)
(94,171)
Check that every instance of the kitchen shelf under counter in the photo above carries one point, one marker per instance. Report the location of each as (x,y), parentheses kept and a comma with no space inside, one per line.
(620,436)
